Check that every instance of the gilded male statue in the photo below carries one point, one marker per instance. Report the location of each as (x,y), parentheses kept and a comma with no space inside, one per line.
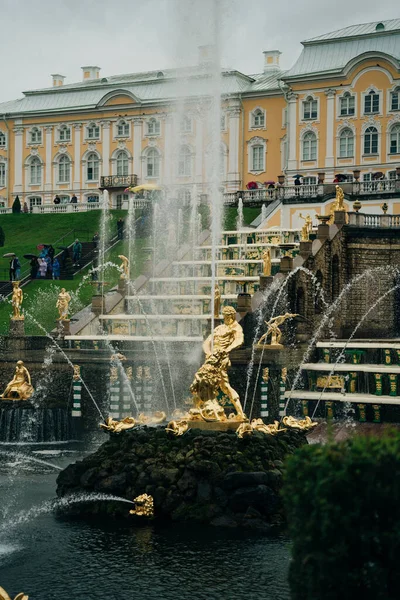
(225,338)
(16,301)
(217,301)
(267,264)
(62,304)
(273,329)
(20,386)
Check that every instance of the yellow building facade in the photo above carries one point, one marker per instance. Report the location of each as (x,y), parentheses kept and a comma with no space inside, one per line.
(335,112)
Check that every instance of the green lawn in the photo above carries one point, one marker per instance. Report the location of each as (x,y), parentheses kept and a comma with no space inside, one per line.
(24,232)
(230,217)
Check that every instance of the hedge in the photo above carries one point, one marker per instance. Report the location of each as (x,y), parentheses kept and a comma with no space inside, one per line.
(343,509)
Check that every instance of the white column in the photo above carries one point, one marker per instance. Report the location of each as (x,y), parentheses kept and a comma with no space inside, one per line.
(106,148)
(292,131)
(18,146)
(233,176)
(168,150)
(137,147)
(330,123)
(49,146)
(199,151)
(77,156)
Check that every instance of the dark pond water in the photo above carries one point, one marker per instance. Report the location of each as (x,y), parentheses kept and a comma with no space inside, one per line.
(47,557)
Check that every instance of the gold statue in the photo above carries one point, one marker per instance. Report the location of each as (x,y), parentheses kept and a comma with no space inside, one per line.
(247,429)
(273,329)
(16,301)
(62,304)
(124,267)
(307,228)
(144,506)
(178,427)
(267,265)
(302,424)
(217,301)
(20,386)
(213,374)
(77,373)
(338,205)
(5,596)
(117,426)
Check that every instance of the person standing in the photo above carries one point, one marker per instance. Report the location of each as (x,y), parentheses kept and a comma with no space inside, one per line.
(57,199)
(42,268)
(120,228)
(34,264)
(74,200)
(56,268)
(76,252)
(51,252)
(96,239)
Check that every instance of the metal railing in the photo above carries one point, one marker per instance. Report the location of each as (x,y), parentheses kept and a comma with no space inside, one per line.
(118,181)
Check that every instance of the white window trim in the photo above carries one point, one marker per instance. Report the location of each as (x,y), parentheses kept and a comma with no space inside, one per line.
(122,136)
(371,123)
(152,135)
(84,167)
(256,141)
(364,94)
(346,125)
(59,140)
(252,114)
(304,131)
(144,161)
(92,139)
(129,161)
(3,161)
(395,88)
(392,123)
(301,109)
(28,167)
(29,131)
(5,140)
(191,159)
(186,131)
(339,98)
(58,180)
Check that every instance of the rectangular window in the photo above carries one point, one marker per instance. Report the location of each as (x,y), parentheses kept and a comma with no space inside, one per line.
(309,180)
(371,103)
(2,174)
(258,158)
(310,109)
(393,144)
(394,101)
(64,135)
(347,106)
(367,176)
(93,133)
(120,200)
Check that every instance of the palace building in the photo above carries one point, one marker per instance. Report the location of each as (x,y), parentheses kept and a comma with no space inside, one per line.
(335,112)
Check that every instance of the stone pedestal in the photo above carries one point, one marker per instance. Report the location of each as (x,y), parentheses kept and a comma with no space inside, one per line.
(286,264)
(265,281)
(17,327)
(305,248)
(98,304)
(339,217)
(244,303)
(323,231)
(122,287)
(63,326)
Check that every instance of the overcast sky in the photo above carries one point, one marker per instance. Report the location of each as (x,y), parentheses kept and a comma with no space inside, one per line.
(123,36)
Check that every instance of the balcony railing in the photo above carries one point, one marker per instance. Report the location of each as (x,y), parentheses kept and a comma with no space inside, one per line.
(117,181)
(381,220)
(301,193)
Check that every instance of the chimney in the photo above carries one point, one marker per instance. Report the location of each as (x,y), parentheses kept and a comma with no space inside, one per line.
(206,54)
(271,60)
(57,79)
(90,73)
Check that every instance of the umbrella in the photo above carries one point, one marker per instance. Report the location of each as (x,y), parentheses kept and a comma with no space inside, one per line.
(296,176)
(30,256)
(145,186)
(9,255)
(269,182)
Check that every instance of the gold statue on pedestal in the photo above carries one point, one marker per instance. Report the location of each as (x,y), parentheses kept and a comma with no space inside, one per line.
(274,331)
(267,264)
(16,302)
(62,304)
(217,301)
(338,205)
(20,386)
(307,228)
(124,266)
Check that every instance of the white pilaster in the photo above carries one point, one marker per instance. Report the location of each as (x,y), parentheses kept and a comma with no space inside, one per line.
(106,148)
(168,150)
(330,122)
(292,129)
(233,176)
(77,156)
(199,151)
(49,146)
(18,167)
(137,146)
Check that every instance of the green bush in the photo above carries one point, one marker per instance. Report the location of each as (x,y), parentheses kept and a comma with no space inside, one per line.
(343,509)
(16,207)
(2,237)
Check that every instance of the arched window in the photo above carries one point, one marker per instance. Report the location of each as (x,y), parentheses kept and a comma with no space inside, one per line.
(257,158)
(153,163)
(184,162)
(64,169)
(92,167)
(153,127)
(64,134)
(2,174)
(371,103)
(35,136)
(3,140)
(258,118)
(123,129)
(309,146)
(35,171)
(371,141)
(395,139)
(346,143)
(122,163)
(310,108)
(347,105)
(93,131)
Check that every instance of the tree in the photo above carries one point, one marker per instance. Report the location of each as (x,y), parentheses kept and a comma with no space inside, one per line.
(16,207)
(2,237)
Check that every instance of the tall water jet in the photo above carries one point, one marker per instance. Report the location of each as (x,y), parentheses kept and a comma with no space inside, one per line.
(240,218)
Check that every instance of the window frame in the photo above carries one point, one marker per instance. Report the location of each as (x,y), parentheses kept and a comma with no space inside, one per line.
(35,136)
(36,169)
(393,93)
(153,163)
(306,138)
(394,131)
(371,95)
(153,127)
(3,137)
(258,158)
(370,141)
(3,174)
(92,127)
(347,98)
(184,161)
(94,159)
(125,131)
(313,115)
(342,136)
(62,130)
(258,118)
(186,124)
(125,163)
(64,167)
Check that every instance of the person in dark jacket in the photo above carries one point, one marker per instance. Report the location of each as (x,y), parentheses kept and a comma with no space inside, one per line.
(34,264)
(74,200)
(57,199)
(51,252)
(56,269)
(96,239)
(77,251)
